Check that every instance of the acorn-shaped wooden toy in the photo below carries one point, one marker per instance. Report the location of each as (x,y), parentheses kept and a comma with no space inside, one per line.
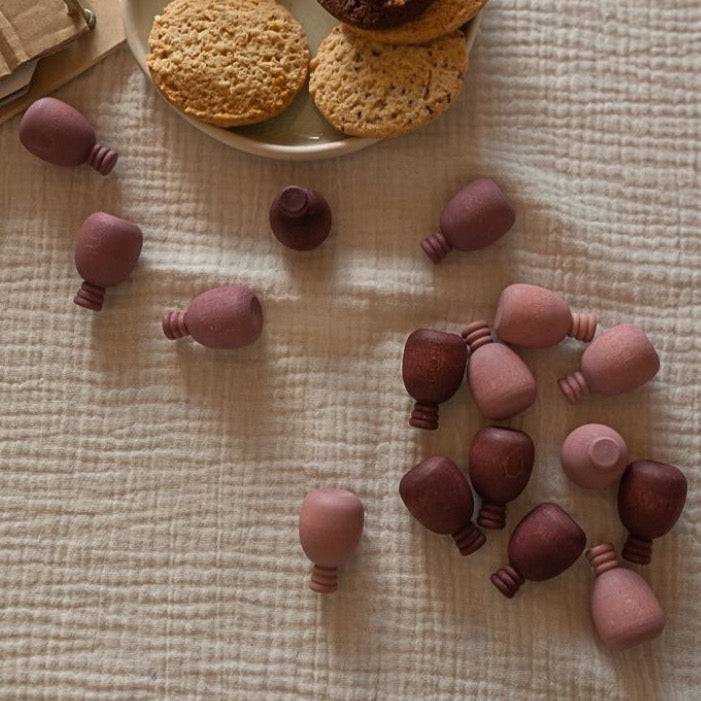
(438,496)
(474,217)
(501,462)
(106,252)
(500,382)
(330,527)
(594,456)
(432,369)
(225,317)
(620,360)
(530,316)
(300,218)
(624,609)
(651,497)
(543,545)
(57,133)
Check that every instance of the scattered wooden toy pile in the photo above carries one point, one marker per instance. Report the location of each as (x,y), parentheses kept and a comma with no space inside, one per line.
(547,541)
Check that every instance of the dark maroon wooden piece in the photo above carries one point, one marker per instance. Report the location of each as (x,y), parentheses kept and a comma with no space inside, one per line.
(433,368)
(106,252)
(438,496)
(544,544)
(474,217)
(57,133)
(651,497)
(300,218)
(501,462)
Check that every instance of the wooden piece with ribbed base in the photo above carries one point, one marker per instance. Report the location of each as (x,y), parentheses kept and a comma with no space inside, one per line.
(106,252)
(229,316)
(500,382)
(620,360)
(530,316)
(594,456)
(543,545)
(475,217)
(57,133)
(624,609)
(438,496)
(501,462)
(330,527)
(300,218)
(433,367)
(651,497)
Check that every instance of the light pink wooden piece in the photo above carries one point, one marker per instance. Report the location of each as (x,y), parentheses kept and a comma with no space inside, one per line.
(594,456)
(530,316)
(624,609)
(500,382)
(330,527)
(620,360)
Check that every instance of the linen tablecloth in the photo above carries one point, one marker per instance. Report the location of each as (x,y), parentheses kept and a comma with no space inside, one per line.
(149,490)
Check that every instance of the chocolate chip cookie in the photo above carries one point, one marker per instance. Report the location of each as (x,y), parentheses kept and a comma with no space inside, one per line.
(375,14)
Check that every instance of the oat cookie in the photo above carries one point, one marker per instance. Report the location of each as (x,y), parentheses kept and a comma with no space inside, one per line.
(442,17)
(365,88)
(228,62)
(375,14)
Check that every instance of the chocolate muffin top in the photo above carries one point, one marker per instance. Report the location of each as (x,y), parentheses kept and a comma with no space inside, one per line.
(375,14)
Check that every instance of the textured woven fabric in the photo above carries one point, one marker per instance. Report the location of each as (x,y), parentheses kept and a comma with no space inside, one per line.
(149,490)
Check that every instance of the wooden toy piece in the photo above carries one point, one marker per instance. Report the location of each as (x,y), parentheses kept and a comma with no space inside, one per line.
(229,316)
(624,609)
(618,361)
(57,133)
(501,383)
(530,316)
(594,456)
(651,497)
(474,217)
(438,496)
(501,462)
(300,218)
(330,526)
(432,368)
(106,252)
(543,545)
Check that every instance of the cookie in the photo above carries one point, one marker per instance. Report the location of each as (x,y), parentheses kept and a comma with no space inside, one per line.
(365,88)
(442,17)
(228,62)
(375,14)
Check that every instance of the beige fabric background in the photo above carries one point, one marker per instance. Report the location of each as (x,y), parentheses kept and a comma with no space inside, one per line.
(149,490)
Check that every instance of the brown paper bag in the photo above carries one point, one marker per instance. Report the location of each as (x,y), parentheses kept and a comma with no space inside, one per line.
(53,71)
(31,29)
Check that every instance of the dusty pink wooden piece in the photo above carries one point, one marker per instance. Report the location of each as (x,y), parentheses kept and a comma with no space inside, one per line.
(330,527)
(474,217)
(530,316)
(624,609)
(594,456)
(620,360)
(57,133)
(500,382)
(106,251)
(229,316)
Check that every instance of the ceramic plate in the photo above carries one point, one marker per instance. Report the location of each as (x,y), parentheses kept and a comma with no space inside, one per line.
(300,132)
